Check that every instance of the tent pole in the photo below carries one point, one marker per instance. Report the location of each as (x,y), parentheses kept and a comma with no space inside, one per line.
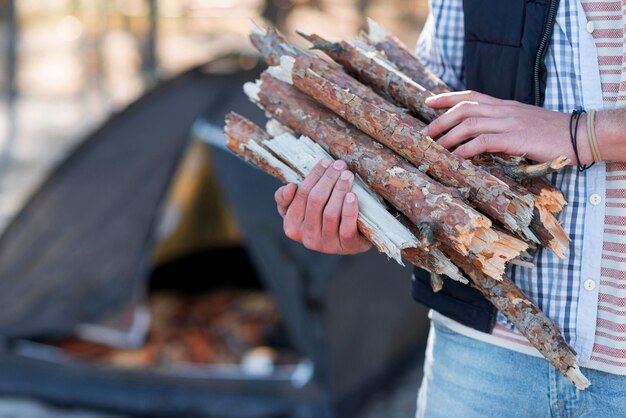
(150,64)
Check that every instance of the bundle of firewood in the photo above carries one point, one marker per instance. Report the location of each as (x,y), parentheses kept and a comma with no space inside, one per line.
(417,201)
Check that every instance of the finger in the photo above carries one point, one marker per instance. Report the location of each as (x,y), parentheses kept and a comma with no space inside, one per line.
(480,144)
(351,241)
(318,198)
(284,196)
(471,128)
(296,210)
(453,98)
(331,217)
(459,113)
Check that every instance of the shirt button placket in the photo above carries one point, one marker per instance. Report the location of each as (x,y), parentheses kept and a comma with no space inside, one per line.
(589,284)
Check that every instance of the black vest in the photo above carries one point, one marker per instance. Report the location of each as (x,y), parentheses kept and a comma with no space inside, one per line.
(503,56)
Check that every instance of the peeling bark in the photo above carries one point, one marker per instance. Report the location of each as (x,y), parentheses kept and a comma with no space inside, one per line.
(375,70)
(272,45)
(400,55)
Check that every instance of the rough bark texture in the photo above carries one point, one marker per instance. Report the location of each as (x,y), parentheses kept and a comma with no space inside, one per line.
(272,45)
(487,193)
(374,70)
(544,225)
(528,319)
(242,132)
(394,178)
(400,55)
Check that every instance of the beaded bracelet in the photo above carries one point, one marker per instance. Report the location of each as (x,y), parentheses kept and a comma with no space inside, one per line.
(573,133)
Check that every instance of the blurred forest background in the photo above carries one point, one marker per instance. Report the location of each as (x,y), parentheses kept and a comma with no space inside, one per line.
(68,64)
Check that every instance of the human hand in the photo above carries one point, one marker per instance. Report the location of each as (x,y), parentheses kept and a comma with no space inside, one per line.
(322,212)
(477,123)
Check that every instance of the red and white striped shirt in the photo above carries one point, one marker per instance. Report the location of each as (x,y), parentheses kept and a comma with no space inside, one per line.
(606,21)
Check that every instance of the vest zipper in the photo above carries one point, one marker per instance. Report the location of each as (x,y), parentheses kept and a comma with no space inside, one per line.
(543,47)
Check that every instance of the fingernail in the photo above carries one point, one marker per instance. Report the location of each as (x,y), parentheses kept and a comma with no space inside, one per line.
(350,198)
(326,162)
(339,165)
(346,175)
(429,99)
(425,131)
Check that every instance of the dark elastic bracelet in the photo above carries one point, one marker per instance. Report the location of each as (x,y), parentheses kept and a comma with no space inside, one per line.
(573,134)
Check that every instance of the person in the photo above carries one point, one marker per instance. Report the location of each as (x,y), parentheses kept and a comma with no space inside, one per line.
(531,68)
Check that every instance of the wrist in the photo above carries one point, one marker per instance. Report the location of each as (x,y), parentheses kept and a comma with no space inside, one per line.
(579,149)
(609,134)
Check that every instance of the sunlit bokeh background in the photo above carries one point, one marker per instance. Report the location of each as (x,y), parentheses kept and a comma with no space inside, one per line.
(68,64)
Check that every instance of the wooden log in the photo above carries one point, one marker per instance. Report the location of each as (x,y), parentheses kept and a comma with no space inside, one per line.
(272,45)
(391,237)
(489,194)
(245,140)
(528,319)
(544,225)
(399,54)
(519,169)
(375,70)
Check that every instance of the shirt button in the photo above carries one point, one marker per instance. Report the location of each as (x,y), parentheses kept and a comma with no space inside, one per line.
(590,27)
(595,199)
(589,284)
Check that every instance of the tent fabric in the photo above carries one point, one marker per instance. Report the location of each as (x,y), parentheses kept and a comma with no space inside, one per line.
(80,250)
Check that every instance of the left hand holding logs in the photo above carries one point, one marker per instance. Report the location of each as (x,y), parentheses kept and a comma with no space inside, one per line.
(477,123)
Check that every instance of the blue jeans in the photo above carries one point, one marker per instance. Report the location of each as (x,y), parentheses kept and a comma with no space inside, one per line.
(467,378)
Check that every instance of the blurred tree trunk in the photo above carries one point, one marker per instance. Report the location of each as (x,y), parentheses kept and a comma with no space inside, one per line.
(11,83)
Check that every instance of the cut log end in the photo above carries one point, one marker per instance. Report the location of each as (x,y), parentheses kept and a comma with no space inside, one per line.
(577,377)
(493,249)
(547,195)
(552,234)
(519,217)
